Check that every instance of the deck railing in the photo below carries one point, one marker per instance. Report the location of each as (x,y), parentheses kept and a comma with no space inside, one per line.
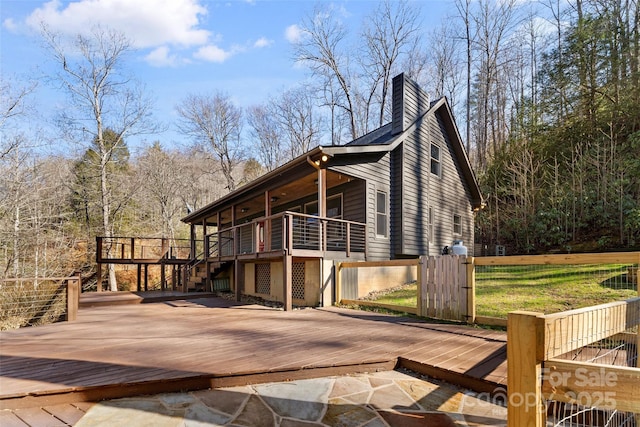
(583,362)
(287,231)
(38,301)
(141,248)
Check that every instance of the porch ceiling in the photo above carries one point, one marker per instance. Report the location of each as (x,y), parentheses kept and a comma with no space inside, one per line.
(284,195)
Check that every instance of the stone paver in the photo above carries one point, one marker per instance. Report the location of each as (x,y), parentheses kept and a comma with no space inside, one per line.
(383,399)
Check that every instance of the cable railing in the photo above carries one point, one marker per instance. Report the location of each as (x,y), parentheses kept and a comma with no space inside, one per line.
(288,231)
(38,301)
(142,248)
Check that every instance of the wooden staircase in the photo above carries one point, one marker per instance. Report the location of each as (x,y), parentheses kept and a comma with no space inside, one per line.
(197,281)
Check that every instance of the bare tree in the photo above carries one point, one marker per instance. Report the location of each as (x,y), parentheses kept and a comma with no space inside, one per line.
(464,9)
(101,96)
(322,48)
(390,31)
(265,130)
(160,181)
(299,121)
(13,104)
(445,64)
(214,122)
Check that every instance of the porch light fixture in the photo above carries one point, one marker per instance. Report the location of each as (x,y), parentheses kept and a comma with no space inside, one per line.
(274,199)
(244,210)
(324,158)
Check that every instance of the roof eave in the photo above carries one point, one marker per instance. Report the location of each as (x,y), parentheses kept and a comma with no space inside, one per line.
(202,212)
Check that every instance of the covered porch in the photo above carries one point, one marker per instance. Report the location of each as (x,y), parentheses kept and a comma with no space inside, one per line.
(277,237)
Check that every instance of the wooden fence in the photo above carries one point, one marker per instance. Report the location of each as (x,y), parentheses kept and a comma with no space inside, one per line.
(441,282)
(447,284)
(536,371)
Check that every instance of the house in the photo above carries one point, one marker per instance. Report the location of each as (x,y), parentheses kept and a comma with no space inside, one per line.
(403,190)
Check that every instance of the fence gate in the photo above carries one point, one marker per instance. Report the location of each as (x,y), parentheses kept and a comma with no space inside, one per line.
(443,287)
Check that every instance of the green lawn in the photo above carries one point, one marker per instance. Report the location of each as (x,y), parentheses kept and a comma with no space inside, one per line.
(547,289)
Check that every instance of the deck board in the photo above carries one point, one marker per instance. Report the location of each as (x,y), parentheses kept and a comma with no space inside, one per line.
(190,342)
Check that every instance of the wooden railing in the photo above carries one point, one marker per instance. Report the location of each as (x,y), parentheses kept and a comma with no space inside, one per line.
(287,231)
(141,248)
(536,371)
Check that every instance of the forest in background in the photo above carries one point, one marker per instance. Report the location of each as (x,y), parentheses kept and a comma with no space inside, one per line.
(546,96)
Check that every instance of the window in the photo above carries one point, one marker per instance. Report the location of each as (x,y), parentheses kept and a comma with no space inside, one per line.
(430,225)
(334,206)
(457,225)
(381,214)
(435,159)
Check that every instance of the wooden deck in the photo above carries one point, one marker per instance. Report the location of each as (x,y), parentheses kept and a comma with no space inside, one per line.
(123,350)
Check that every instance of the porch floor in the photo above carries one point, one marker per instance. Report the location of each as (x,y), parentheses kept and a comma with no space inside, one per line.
(126,350)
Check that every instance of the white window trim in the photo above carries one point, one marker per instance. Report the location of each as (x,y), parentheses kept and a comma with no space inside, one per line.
(454,225)
(387,216)
(439,160)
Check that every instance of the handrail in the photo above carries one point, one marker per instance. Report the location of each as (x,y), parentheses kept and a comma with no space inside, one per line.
(313,237)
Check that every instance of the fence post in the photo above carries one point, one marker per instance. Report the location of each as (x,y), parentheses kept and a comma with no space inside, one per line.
(73,295)
(338,273)
(525,407)
(423,275)
(471,290)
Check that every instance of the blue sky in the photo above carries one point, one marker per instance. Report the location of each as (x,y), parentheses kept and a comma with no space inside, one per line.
(183,46)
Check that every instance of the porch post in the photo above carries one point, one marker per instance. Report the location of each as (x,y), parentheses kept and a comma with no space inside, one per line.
(267,222)
(99,263)
(163,277)
(322,207)
(236,279)
(192,249)
(287,264)
(204,235)
(322,193)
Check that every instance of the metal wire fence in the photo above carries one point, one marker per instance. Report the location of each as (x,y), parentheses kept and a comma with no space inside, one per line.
(31,302)
(551,288)
(593,408)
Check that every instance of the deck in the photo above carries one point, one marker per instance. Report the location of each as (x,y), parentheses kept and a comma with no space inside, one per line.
(132,349)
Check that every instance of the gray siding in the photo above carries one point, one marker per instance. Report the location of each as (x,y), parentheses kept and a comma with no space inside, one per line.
(375,170)
(447,194)
(416,195)
(409,102)
(396,208)
(451,196)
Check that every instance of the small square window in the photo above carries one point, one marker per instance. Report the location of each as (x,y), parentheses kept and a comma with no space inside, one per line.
(457,225)
(435,160)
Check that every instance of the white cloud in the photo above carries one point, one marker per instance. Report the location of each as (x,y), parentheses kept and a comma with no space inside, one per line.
(160,57)
(262,42)
(10,25)
(147,23)
(293,33)
(213,53)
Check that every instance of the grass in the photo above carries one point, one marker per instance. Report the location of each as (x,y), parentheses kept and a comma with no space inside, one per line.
(546,289)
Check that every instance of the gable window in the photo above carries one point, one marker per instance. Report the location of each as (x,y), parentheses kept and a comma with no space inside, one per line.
(457,225)
(382,215)
(435,160)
